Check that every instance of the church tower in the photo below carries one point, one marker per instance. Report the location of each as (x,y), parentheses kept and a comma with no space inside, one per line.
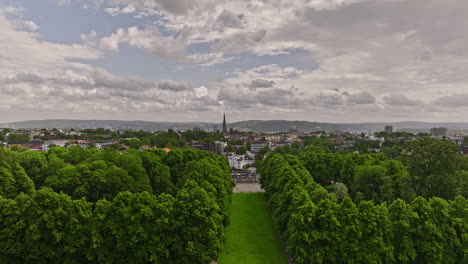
(225,131)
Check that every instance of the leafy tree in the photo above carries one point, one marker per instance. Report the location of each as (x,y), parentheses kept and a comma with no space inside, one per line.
(34,164)
(401,217)
(299,241)
(17,138)
(135,228)
(368,180)
(350,232)
(339,189)
(31,233)
(347,170)
(452,246)
(198,225)
(324,167)
(321,141)
(429,242)
(264,150)
(433,166)
(241,150)
(7,181)
(375,227)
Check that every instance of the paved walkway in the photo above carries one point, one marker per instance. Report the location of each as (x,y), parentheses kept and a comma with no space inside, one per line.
(248,188)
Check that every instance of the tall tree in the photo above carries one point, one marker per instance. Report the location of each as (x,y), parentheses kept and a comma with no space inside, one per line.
(433,166)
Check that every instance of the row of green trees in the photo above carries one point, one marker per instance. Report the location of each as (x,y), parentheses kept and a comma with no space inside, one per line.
(100,206)
(317,228)
(426,167)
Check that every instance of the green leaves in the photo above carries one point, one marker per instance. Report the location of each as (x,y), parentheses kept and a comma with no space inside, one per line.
(433,166)
(145,207)
(320,230)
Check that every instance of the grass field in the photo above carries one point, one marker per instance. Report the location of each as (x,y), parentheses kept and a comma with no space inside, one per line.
(251,237)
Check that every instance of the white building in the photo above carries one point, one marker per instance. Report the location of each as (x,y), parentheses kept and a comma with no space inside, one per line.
(256,147)
(58,143)
(239,161)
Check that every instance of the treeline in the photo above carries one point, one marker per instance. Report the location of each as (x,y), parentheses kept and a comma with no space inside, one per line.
(426,167)
(317,228)
(100,206)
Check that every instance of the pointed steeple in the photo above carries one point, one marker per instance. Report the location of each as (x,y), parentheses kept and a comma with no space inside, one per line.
(225,131)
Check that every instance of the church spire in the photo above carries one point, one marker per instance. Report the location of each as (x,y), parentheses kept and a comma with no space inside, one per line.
(225,131)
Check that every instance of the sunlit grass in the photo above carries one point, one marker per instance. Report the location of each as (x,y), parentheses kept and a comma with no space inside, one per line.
(251,237)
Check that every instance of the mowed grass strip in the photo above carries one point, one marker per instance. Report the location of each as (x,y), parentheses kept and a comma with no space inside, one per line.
(251,237)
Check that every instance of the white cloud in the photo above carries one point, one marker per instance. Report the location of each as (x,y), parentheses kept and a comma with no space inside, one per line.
(43,78)
(384,55)
(23,50)
(115,11)
(26,25)
(150,39)
(209,59)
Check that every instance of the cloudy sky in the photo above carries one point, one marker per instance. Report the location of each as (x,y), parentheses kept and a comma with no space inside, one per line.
(186,60)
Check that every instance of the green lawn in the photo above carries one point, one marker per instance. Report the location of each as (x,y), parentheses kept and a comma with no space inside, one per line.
(251,237)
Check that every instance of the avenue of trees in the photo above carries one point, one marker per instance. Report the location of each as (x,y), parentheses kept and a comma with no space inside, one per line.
(100,206)
(349,208)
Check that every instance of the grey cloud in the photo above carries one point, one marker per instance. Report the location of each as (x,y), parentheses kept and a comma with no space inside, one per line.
(89,80)
(400,99)
(203,103)
(328,100)
(361,98)
(453,101)
(105,79)
(178,7)
(174,86)
(229,19)
(22,77)
(206,100)
(261,83)
(240,42)
(278,97)
(272,98)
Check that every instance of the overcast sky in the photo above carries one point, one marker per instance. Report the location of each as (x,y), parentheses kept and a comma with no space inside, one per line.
(187,60)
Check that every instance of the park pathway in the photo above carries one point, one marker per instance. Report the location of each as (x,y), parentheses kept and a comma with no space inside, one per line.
(251,237)
(248,188)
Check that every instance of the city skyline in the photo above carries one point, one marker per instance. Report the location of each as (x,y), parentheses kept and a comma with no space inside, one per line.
(337,61)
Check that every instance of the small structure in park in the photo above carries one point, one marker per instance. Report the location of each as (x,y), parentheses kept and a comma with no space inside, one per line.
(244,176)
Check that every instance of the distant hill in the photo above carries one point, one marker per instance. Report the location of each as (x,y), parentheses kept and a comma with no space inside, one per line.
(304,126)
(111,124)
(250,125)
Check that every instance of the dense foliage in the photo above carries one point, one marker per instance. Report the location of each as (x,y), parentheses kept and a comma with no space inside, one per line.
(317,228)
(90,206)
(426,167)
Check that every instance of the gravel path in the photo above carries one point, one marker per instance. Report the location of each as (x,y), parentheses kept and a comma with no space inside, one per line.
(248,188)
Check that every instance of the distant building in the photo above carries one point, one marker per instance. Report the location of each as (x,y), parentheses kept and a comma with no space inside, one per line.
(220,146)
(244,176)
(239,161)
(293,129)
(256,147)
(225,131)
(389,129)
(438,131)
(464,149)
(203,146)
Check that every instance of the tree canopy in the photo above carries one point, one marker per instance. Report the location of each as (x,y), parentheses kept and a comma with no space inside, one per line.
(100,206)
